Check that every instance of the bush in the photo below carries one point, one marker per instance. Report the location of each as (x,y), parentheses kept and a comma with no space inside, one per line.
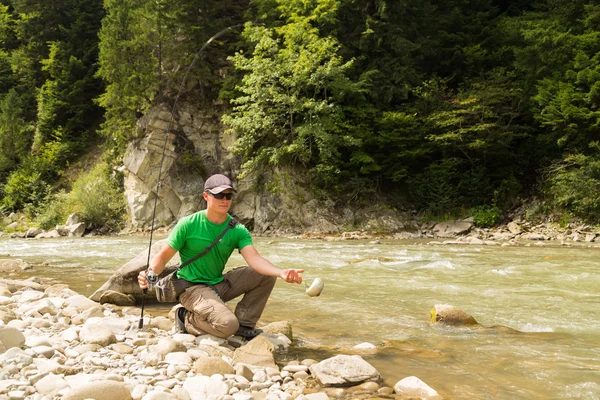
(54,212)
(574,186)
(486,216)
(97,199)
(24,187)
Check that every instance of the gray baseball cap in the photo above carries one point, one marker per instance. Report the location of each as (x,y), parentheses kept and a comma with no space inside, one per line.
(217,183)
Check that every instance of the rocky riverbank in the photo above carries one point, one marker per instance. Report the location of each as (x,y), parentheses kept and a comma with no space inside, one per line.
(58,344)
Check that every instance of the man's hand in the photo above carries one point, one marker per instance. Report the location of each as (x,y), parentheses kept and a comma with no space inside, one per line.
(291,275)
(142,280)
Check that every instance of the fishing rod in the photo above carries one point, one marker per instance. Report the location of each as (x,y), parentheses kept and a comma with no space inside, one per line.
(162,158)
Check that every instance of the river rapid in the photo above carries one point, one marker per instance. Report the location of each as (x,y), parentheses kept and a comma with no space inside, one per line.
(539,307)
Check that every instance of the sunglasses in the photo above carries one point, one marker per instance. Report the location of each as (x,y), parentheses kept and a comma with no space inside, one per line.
(221,196)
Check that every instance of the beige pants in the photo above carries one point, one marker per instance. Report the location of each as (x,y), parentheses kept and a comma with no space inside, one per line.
(208,311)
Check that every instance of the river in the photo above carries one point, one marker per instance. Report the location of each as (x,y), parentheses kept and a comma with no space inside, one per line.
(539,307)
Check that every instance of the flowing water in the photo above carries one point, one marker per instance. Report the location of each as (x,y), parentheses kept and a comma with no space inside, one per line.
(539,307)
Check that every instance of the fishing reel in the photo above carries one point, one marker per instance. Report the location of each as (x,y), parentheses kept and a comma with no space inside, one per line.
(152,278)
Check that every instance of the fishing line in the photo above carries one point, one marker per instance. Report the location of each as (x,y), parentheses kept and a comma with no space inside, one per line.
(162,158)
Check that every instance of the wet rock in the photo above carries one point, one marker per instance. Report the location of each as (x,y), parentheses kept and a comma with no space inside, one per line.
(414,387)
(283,327)
(344,370)
(12,265)
(449,315)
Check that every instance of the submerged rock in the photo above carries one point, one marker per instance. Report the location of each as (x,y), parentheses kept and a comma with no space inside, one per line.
(449,315)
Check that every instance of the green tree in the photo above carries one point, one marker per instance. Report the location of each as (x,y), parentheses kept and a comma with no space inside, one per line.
(128,63)
(287,113)
(15,133)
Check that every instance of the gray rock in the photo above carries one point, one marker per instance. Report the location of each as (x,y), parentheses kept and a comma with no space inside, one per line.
(452,228)
(33,232)
(48,235)
(514,228)
(76,230)
(73,219)
(344,370)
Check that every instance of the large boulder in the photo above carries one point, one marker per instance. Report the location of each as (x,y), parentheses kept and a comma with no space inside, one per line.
(124,280)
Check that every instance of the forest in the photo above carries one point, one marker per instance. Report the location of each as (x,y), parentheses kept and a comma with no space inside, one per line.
(460,107)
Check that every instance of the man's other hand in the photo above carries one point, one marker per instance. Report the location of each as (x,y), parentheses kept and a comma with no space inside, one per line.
(292,275)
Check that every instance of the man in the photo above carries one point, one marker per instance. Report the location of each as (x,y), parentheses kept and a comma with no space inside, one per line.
(203,305)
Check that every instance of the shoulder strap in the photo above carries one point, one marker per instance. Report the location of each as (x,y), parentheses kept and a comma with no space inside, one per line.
(232,222)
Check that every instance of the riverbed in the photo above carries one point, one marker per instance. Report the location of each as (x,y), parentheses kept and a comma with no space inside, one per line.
(538,307)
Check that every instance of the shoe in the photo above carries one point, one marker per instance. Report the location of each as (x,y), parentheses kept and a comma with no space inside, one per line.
(180,319)
(248,333)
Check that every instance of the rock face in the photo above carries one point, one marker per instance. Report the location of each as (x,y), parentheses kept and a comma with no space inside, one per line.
(124,280)
(196,148)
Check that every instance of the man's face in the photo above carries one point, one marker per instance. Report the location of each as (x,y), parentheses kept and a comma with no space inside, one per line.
(222,204)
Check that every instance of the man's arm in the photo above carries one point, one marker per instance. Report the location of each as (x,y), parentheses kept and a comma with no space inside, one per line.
(264,266)
(157,264)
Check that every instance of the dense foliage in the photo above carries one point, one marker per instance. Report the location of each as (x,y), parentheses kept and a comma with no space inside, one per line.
(459,106)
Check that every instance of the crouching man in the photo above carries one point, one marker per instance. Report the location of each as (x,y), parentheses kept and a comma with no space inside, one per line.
(203,309)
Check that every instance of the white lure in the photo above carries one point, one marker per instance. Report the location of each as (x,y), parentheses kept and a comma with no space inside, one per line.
(315,288)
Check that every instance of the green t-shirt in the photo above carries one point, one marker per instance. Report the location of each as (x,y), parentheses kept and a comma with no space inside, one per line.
(193,234)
